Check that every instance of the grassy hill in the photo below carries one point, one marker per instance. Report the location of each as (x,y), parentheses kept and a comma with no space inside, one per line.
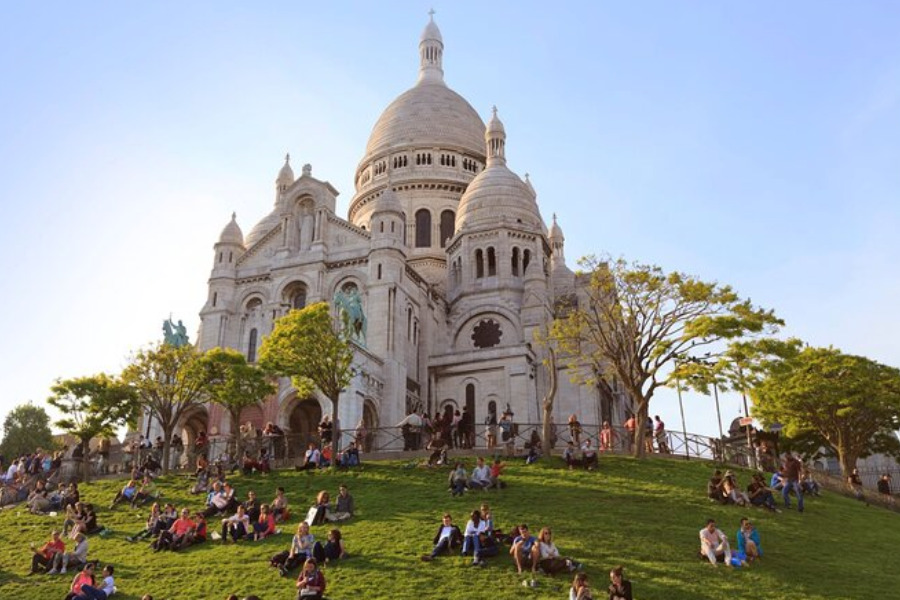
(644,515)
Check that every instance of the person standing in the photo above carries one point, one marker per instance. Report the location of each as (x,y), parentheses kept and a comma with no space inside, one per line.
(575,429)
(792,468)
(884,488)
(659,432)
(630,431)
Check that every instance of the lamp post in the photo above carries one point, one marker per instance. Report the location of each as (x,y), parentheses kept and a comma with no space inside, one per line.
(687,448)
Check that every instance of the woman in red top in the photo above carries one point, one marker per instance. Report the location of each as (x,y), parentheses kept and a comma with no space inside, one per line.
(311,583)
(265,526)
(84,577)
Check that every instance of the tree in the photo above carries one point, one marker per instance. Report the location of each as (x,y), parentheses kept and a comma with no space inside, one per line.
(547,404)
(93,406)
(26,428)
(169,382)
(234,384)
(307,347)
(634,322)
(852,402)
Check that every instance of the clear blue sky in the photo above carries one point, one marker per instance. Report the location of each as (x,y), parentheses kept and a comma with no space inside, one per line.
(755,144)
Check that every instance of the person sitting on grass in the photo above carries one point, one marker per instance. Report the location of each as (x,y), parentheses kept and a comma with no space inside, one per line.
(481,476)
(808,483)
(496,472)
(126,494)
(350,456)
(265,525)
(174,536)
(473,537)
(251,506)
(619,587)
(198,535)
(152,522)
(588,455)
(89,592)
(550,560)
(279,506)
(333,549)
(301,548)
(343,506)
(748,541)
(448,535)
(715,488)
(438,446)
(311,582)
(457,480)
(237,525)
(525,550)
(311,458)
(84,577)
(714,545)
(732,492)
(43,557)
(86,522)
(759,494)
(580,589)
(220,500)
(569,456)
(75,559)
(777,481)
(146,492)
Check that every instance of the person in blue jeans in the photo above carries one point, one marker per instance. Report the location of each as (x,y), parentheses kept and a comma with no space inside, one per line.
(89,592)
(447,536)
(477,540)
(791,470)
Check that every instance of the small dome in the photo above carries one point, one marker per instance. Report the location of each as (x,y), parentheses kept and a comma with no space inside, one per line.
(431,32)
(232,233)
(497,195)
(286,174)
(387,202)
(556,231)
(495,125)
(268,223)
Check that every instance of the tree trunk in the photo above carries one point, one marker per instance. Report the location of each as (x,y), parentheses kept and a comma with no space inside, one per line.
(547,405)
(640,427)
(167,448)
(85,460)
(335,432)
(848,463)
(236,437)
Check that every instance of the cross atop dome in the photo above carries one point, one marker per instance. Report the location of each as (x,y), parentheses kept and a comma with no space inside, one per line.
(431,14)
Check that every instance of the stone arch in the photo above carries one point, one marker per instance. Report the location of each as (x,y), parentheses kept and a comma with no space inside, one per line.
(254,292)
(192,422)
(293,291)
(299,417)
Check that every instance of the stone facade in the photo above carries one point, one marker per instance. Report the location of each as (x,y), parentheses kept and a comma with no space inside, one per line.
(447,251)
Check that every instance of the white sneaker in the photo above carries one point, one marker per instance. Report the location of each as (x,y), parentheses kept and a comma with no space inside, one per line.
(52,572)
(62,571)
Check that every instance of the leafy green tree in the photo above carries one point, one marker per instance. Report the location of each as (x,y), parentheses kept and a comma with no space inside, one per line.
(851,402)
(634,322)
(307,347)
(234,384)
(169,382)
(93,406)
(26,428)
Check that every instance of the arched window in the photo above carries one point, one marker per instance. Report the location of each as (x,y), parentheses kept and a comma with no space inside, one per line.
(492,262)
(409,323)
(215,297)
(295,295)
(447,223)
(470,399)
(423,229)
(526,258)
(251,346)
(515,262)
(479,264)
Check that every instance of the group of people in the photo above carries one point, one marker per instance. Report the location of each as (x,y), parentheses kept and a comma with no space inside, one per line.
(792,476)
(654,429)
(482,540)
(314,458)
(483,477)
(715,548)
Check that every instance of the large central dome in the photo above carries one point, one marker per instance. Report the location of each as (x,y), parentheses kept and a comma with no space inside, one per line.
(429,114)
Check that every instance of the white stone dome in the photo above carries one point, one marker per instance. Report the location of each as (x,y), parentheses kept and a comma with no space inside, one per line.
(429,115)
(232,233)
(496,196)
(267,224)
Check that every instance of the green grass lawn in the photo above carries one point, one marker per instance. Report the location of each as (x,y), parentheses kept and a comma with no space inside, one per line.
(644,515)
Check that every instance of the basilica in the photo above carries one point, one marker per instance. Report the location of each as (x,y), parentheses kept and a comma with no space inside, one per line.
(444,260)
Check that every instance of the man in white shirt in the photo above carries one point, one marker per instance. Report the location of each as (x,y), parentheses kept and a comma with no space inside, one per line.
(481,476)
(714,544)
